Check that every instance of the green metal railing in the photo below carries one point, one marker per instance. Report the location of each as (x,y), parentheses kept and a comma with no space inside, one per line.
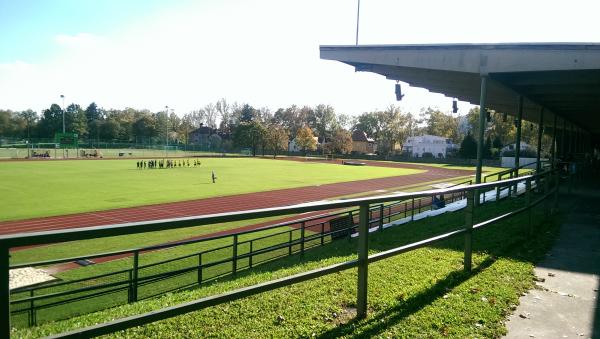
(547,179)
(296,236)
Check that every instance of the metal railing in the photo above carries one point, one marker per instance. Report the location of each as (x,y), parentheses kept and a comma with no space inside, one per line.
(124,285)
(547,179)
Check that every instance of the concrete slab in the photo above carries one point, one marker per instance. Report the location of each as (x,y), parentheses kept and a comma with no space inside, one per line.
(565,303)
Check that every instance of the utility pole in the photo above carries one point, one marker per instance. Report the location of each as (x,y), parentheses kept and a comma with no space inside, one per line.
(166,129)
(63,111)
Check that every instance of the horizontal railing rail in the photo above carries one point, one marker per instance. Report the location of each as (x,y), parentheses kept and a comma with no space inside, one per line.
(365,220)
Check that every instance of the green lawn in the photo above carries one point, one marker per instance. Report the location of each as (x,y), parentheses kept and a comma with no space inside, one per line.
(45,188)
(423,293)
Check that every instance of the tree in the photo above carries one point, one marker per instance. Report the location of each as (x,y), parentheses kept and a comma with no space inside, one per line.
(342,141)
(487,148)
(277,139)
(224,112)
(248,113)
(291,118)
(30,117)
(468,147)
(440,124)
(215,141)
(249,134)
(393,129)
(76,120)
(50,122)
(322,120)
(305,139)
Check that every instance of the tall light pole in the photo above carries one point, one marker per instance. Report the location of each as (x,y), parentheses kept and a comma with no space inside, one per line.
(166,129)
(63,111)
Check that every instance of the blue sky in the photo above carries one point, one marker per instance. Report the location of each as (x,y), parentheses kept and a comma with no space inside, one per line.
(185,54)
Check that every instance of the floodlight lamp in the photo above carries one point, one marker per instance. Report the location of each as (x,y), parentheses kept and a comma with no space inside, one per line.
(399,94)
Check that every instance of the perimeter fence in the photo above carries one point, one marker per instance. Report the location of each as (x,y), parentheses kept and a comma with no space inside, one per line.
(242,252)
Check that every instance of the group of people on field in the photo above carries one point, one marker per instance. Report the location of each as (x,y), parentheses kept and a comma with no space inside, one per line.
(168,163)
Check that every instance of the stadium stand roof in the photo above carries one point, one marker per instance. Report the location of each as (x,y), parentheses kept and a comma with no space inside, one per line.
(564,78)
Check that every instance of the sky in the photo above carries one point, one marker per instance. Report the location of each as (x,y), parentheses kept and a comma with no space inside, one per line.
(148,54)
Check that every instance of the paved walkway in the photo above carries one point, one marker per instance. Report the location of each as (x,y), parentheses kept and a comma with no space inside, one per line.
(566,304)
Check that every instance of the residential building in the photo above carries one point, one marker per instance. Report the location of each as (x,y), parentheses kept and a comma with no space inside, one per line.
(430,145)
(361,143)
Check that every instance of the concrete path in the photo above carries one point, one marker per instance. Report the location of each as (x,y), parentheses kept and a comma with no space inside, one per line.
(565,303)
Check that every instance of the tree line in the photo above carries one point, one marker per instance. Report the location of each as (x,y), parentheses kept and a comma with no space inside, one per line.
(261,129)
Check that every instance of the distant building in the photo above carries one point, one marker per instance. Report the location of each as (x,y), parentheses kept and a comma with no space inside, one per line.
(524,147)
(293,146)
(438,147)
(361,143)
(200,135)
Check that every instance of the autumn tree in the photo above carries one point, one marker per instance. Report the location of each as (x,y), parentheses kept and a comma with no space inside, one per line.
(277,139)
(341,142)
(305,139)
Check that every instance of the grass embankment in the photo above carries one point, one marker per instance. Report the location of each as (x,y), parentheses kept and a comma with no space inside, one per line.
(423,293)
(45,188)
(160,261)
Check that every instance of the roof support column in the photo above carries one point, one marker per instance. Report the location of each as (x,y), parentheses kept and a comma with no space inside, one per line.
(518,142)
(553,148)
(482,100)
(538,165)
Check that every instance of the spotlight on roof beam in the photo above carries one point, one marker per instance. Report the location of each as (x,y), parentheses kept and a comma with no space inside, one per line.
(399,94)
(455,106)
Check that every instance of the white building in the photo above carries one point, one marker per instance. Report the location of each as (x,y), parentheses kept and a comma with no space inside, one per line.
(437,146)
(524,147)
(293,146)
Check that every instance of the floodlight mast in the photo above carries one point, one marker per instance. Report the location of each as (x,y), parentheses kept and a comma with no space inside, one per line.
(63,111)
(166,129)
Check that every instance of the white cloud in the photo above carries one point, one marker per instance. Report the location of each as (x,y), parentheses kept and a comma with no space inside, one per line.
(266,53)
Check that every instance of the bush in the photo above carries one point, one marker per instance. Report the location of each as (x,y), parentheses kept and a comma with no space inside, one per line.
(427,155)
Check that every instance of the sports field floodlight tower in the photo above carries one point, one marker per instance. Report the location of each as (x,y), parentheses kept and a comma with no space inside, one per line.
(63,111)
(399,94)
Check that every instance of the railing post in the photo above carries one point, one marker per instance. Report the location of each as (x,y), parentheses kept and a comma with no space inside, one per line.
(412,210)
(351,226)
(363,264)
(381,217)
(4,293)
(528,197)
(136,264)
(302,230)
(32,321)
(250,253)
(498,190)
(322,233)
(130,287)
(234,255)
(469,230)
(200,268)
(290,243)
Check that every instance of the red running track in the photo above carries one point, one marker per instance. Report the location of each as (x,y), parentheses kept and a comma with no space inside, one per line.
(249,201)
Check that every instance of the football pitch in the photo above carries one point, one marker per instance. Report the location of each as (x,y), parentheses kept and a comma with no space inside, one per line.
(47,188)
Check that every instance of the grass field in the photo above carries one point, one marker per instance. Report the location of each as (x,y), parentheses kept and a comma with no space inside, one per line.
(424,293)
(46,188)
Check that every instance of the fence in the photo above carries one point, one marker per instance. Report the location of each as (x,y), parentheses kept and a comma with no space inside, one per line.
(207,259)
(365,214)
